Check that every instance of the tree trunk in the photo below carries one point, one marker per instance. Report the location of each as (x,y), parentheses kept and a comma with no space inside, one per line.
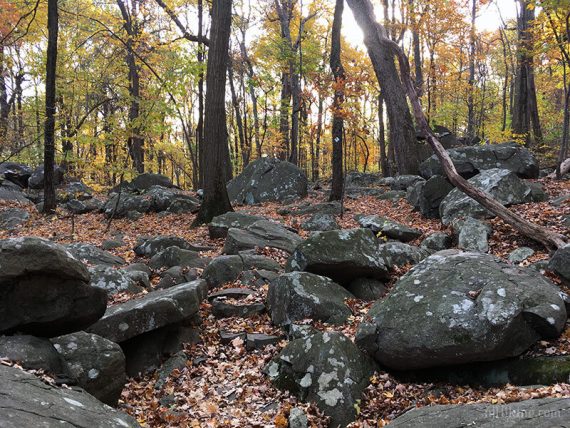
(239,123)
(317,153)
(135,141)
(296,97)
(525,107)
(49,129)
(471,82)
(538,233)
(216,155)
(200,126)
(338,122)
(419,78)
(382,138)
(402,131)
(284,115)
(4,104)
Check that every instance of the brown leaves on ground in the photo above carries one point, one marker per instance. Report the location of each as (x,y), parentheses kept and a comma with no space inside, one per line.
(223,385)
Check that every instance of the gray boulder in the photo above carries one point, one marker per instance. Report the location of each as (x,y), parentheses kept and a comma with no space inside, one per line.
(560,263)
(36,180)
(16,173)
(472,234)
(115,281)
(342,255)
(224,269)
(156,309)
(44,291)
(11,194)
(520,254)
(363,179)
(537,413)
(218,227)
(265,180)
(426,196)
(436,242)
(298,295)
(262,233)
(93,255)
(74,190)
(176,275)
(400,254)
(388,228)
(456,307)
(470,161)
(403,182)
(83,207)
(149,246)
(11,218)
(307,208)
(324,368)
(176,256)
(501,184)
(367,288)
(320,223)
(95,363)
(31,352)
(120,205)
(147,180)
(27,401)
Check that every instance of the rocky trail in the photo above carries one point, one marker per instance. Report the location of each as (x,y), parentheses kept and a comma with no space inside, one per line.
(253,320)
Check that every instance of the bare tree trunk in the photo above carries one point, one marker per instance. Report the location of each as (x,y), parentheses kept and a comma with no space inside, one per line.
(49,129)
(382,138)
(538,233)
(239,123)
(135,140)
(216,155)
(4,104)
(338,123)
(317,152)
(200,126)
(419,78)
(471,82)
(402,131)
(284,115)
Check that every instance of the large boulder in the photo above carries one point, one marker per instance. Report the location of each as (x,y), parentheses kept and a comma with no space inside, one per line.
(342,255)
(176,256)
(364,179)
(156,309)
(219,226)
(11,218)
(44,290)
(472,234)
(93,255)
(320,223)
(121,204)
(324,368)
(36,180)
(262,233)
(150,246)
(501,184)
(299,295)
(224,269)
(27,401)
(560,263)
(469,161)
(16,173)
(400,254)
(9,193)
(457,307)
(387,227)
(146,180)
(115,281)
(31,353)
(95,363)
(537,413)
(426,196)
(267,179)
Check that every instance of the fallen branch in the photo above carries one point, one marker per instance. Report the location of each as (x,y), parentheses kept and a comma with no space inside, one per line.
(549,239)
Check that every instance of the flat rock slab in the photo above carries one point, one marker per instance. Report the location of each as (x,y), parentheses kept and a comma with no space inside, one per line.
(260,340)
(28,402)
(232,293)
(221,309)
(262,233)
(218,227)
(388,228)
(154,310)
(540,413)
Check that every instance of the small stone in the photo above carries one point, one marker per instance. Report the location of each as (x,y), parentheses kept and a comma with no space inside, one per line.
(298,418)
(520,255)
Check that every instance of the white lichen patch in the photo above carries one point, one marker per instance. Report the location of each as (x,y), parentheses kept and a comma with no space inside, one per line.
(501,292)
(306,381)
(551,320)
(73,402)
(417,299)
(332,397)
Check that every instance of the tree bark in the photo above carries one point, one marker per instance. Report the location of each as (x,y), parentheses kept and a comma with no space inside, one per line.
(216,157)
(402,131)
(338,122)
(135,141)
(471,82)
(49,129)
(525,106)
(4,104)
(384,166)
(239,122)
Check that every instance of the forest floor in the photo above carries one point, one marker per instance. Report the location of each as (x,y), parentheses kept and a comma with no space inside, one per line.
(223,384)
